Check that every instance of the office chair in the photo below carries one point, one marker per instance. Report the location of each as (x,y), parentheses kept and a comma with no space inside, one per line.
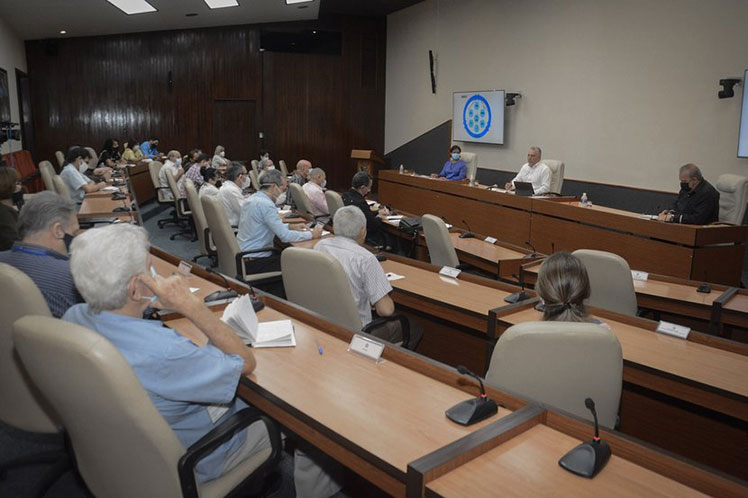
(123,446)
(301,200)
(557,174)
(441,249)
(611,284)
(283,167)
(60,158)
(23,405)
(318,282)
(230,257)
(334,202)
(561,364)
(471,159)
(60,187)
(254,179)
(48,172)
(93,158)
(163,194)
(181,210)
(255,166)
(205,241)
(733,196)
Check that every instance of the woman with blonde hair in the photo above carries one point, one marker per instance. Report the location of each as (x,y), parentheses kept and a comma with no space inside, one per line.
(563,285)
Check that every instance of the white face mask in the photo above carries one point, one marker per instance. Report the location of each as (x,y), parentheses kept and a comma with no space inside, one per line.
(323,184)
(222,153)
(247,182)
(270,167)
(178,162)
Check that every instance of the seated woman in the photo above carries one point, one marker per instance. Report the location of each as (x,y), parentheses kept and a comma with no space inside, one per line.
(563,285)
(211,183)
(132,153)
(109,156)
(219,158)
(455,168)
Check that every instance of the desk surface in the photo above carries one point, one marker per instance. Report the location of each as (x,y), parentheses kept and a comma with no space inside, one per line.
(484,250)
(686,359)
(527,465)
(204,287)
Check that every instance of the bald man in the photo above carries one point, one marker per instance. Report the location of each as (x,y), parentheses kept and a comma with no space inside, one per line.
(300,177)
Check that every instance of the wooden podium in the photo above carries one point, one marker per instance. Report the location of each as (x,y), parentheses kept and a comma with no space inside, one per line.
(366,160)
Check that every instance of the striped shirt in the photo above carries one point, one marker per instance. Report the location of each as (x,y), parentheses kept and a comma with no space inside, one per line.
(49,270)
(368,281)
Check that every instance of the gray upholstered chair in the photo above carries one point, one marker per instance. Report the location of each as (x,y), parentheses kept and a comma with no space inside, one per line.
(557,174)
(23,406)
(123,446)
(733,197)
(60,187)
(60,158)
(471,159)
(230,257)
(561,364)
(163,194)
(334,202)
(283,167)
(255,166)
(611,284)
(331,294)
(300,199)
(48,172)
(93,159)
(181,209)
(441,250)
(254,179)
(205,241)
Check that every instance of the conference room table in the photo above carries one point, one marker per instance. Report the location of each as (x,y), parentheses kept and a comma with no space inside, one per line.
(710,252)
(100,207)
(385,420)
(688,396)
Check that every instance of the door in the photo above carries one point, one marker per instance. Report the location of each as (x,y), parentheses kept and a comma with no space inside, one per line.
(234,127)
(24,113)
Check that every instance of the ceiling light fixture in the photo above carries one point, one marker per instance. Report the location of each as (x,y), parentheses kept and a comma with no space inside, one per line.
(292,2)
(63,32)
(131,7)
(221,4)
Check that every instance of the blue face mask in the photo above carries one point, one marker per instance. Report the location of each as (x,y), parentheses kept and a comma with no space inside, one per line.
(455,155)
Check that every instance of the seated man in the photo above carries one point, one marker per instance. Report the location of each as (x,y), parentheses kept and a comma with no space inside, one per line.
(697,202)
(260,223)
(366,276)
(299,176)
(314,190)
(47,225)
(231,191)
(193,173)
(174,164)
(78,185)
(149,148)
(356,196)
(533,171)
(9,179)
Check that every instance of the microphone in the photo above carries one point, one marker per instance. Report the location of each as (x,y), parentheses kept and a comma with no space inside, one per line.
(533,254)
(473,410)
(705,288)
(518,296)
(588,458)
(229,293)
(553,247)
(469,234)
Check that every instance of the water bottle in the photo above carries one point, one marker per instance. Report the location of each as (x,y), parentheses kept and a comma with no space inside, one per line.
(583,199)
(402,169)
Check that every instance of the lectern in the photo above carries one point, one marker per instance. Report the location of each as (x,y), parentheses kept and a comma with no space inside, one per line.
(366,160)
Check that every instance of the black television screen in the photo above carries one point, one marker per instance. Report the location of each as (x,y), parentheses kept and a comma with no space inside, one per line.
(743,138)
(4,97)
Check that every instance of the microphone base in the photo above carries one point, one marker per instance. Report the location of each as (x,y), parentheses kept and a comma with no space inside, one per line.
(220,295)
(467,235)
(472,411)
(257,304)
(587,459)
(704,288)
(517,297)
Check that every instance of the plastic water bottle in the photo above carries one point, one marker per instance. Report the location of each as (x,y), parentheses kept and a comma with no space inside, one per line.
(402,169)
(583,199)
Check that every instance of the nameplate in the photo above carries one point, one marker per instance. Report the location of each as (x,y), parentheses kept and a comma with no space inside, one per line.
(448,271)
(673,329)
(490,240)
(639,275)
(363,346)
(184,268)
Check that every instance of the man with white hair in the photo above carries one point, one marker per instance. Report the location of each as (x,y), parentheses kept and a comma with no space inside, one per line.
(314,190)
(230,192)
(174,164)
(47,224)
(533,171)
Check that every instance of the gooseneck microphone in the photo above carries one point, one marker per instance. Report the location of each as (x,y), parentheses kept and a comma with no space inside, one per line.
(469,234)
(229,293)
(473,410)
(588,458)
(518,296)
(533,254)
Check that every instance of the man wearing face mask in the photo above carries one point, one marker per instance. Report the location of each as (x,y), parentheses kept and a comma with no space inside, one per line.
(455,168)
(78,185)
(260,224)
(356,196)
(315,191)
(47,224)
(697,202)
(265,161)
(230,192)
(174,164)
(149,148)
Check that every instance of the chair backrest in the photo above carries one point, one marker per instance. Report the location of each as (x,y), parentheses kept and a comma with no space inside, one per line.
(254,178)
(93,159)
(334,202)
(154,168)
(441,250)
(60,187)
(60,158)
(300,198)
(557,174)
(178,205)
(561,364)
(611,284)
(223,235)
(198,215)
(123,446)
(733,197)
(318,282)
(48,172)
(283,167)
(255,166)
(22,405)
(471,159)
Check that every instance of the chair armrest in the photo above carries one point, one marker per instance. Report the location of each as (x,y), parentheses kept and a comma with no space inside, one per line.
(216,437)
(404,326)
(240,259)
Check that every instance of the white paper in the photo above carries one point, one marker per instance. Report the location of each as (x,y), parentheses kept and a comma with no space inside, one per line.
(394,276)
(284,212)
(647,216)
(673,329)
(448,271)
(194,289)
(371,203)
(274,334)
(325,232)
(639,275)
(110,189)
(396,217)
(490,240)
(241,316)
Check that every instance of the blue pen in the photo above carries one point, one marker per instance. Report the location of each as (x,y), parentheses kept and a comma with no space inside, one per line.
(319,346)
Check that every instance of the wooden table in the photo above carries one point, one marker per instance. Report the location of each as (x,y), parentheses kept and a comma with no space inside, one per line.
(674,387)
(685,251)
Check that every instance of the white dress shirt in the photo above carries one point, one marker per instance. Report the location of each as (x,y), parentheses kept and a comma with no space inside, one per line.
(538,174)
(232,198)
(316,198)
(168,166)
(207,189)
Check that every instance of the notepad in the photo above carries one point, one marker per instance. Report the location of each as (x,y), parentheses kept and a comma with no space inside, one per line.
(241,316)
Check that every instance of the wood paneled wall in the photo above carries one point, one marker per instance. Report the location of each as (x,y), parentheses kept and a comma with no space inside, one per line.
(312,106)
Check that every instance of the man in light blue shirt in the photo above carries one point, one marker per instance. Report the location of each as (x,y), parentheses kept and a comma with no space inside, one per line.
(149,148)
(77,183)
(260,222)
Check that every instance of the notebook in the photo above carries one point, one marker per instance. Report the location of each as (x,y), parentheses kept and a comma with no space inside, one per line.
(241,316)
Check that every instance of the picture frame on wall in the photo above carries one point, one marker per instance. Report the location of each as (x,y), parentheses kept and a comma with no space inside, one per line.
(4,97)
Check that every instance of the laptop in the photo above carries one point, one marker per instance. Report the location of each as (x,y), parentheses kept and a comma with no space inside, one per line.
(524,189)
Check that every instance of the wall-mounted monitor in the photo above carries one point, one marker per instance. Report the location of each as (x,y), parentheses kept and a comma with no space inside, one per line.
(478,116)
(743,138)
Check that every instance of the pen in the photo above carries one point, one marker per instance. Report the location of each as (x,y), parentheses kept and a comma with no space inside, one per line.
(319,346)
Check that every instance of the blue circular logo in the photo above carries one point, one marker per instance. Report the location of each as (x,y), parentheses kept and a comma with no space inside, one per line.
(476,116)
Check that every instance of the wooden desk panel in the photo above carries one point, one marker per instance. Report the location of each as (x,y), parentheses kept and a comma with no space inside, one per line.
(100,207)
(142,184)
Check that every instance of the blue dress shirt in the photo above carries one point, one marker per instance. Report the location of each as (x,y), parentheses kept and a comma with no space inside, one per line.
(259,223)
(454,171)
(147,151)
(179,377)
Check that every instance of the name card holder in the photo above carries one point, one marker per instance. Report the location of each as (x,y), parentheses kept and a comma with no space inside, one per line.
(184,268)
(639,275)
(673,329)
(363,346)
(448,271)
(490,240)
